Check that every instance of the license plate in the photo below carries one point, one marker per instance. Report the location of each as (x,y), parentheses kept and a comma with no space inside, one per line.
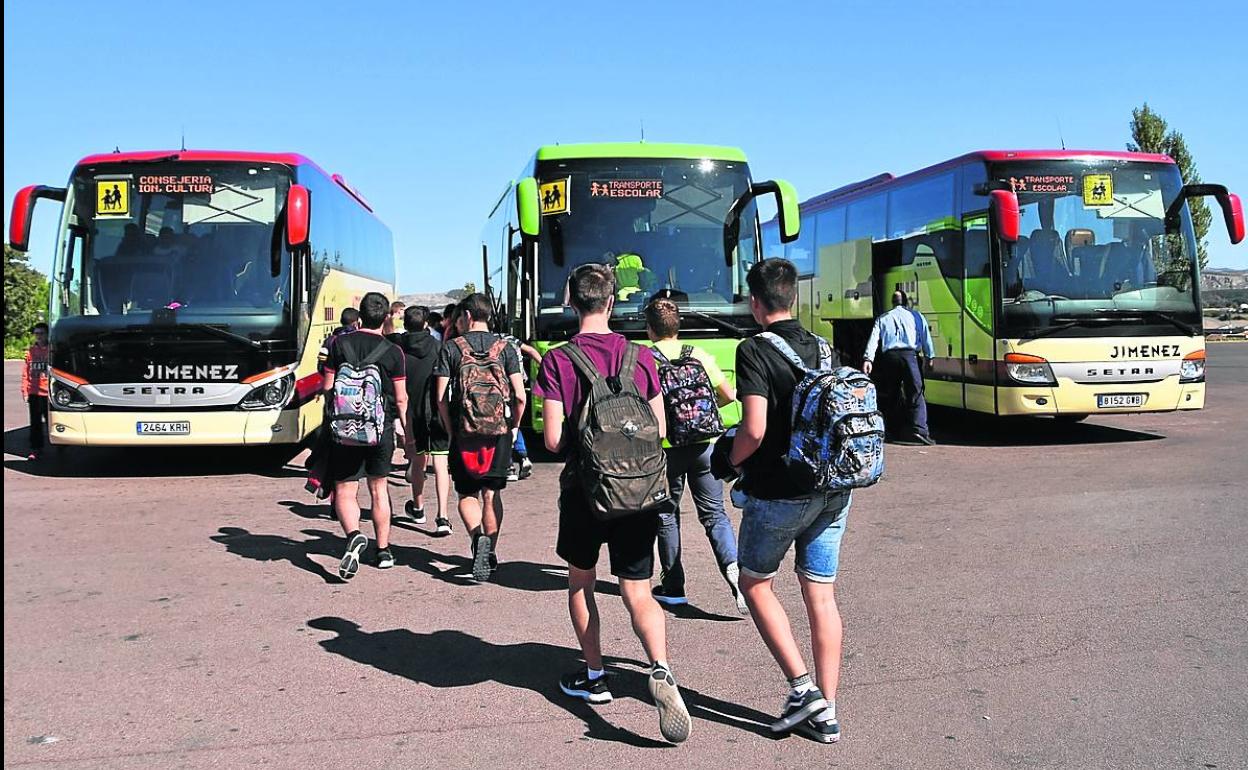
(1114,400)
(164,428)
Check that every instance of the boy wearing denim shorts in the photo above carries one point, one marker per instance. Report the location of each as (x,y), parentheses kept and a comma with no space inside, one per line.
(779,514)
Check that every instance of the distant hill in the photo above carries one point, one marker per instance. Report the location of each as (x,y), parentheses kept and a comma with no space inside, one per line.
(435,301)
(1214,278)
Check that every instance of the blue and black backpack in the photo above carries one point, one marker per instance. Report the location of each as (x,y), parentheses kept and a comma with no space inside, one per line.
(838,432)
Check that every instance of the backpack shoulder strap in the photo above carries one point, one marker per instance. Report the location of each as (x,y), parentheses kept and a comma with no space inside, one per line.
(377,353)
(582,363)
(627,377)
(686,351)
(784,349)
(658,354)
(825,354)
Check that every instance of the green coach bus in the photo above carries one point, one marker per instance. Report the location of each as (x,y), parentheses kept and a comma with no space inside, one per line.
(676,220)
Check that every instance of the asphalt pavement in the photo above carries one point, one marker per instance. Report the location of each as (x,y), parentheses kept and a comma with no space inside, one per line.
(1022,595)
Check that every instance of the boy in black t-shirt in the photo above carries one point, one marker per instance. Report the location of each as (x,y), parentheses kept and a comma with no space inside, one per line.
(778,512)
(348,464)
(478,464)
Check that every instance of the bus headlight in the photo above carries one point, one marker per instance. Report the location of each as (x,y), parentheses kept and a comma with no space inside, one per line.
(1193,367)
(65,397)
(1028,369)
(271,395)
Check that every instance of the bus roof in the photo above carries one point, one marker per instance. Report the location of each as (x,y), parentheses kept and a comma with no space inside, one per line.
(991,156)
(639,150)
(285,158)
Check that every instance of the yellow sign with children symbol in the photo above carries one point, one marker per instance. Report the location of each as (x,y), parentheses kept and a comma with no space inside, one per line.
(112,198)
(554,196)
(1098,190)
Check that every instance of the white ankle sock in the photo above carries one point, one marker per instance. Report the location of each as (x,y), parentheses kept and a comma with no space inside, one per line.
(595,673)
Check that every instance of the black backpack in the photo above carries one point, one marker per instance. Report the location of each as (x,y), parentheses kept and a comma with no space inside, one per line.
(618,453)
(692,410)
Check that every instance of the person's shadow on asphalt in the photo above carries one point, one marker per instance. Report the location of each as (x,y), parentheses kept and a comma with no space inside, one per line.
(248,545)
(450,658)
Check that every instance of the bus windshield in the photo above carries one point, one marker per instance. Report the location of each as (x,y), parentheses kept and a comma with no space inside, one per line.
(658,223)
(194,237)
(1096,244)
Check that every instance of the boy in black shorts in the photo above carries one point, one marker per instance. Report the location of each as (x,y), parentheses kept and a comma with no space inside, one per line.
(429,439)
(479,462)
(348,464)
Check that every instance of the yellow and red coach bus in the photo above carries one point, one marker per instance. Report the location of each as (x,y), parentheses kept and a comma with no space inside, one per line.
(1062,283)
(192,290)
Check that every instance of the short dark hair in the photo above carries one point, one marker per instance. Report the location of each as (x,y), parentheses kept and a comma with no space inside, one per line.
(590,287)
(414,318)
(373,310)
(773,282)
(350,316)
(434,319)
(449,310)
(41,326)
(663,317)
(478,306)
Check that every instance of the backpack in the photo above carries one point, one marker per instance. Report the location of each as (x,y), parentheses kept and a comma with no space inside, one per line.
(838,432)
(357,415)
(483,392)
(618,454)
(692,411)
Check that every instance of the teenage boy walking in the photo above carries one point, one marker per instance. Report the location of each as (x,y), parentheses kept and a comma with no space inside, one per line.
(691,462)
(778,513)
(483,373)
(429,439)
(629,540)
(35,387)
(348,464)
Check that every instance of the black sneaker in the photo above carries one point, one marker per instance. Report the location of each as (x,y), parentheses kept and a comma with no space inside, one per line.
(674,721)
(799,708)
(579,685)
(493,560)
(669,596)
(825,731)
(928,440)
(415,514)
(385,559)
(443,526)
(351,559)
(481,548)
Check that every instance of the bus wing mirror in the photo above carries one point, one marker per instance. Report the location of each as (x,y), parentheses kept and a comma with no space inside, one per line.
(297,216)
(786,210)
(527,207)
(1232,207)
(1005,217)
(24,207)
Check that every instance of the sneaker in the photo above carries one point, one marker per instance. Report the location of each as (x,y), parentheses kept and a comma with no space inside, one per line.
(732,573)
(351,559)
(481,548)
(579,685)
(513,473)
(799,708)
(385,559)
(674,721)
(443,526)
(493,560)
(818,729)
(526,468)
(928,440)
(669,596)
(415,514)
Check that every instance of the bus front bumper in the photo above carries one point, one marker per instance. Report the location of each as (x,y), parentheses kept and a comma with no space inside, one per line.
(1073,398)
(225,428)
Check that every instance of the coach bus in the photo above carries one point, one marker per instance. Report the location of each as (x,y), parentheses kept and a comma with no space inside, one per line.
(677,220)
(192,290)
(1058,283)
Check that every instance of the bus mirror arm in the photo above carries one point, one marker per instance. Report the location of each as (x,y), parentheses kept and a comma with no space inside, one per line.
(24,207)
(1232,207)
(786,211)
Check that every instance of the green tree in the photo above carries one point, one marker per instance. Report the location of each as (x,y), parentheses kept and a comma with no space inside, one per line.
(25,301)
(1149,133)
(470,288)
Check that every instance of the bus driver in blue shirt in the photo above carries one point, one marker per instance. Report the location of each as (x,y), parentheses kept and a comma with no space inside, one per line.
(901,334)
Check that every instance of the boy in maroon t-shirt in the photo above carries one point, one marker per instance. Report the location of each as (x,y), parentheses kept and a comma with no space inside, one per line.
(629,540)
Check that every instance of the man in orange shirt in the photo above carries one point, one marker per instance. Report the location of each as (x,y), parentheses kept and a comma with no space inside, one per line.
(35,387)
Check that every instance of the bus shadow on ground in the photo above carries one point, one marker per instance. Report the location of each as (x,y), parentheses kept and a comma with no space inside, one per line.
(450,658)
(139,462)
(958,428)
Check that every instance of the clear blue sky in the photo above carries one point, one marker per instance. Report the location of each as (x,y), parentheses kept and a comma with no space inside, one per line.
(429,108)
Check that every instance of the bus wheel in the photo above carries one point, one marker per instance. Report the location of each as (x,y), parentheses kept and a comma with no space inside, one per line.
(1070,419)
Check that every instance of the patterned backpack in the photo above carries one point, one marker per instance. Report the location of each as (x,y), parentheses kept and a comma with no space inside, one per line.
(483,392)
(838,432)
(692,411)
(358,407)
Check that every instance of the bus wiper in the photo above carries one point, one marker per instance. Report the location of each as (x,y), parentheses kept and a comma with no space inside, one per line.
(222,333)
(1063,323)
(730,327)
(1123,314)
